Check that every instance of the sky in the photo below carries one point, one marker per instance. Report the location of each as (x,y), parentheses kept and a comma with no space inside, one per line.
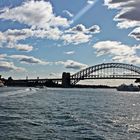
(47,37)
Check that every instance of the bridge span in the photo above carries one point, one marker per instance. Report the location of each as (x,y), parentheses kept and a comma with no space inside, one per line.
(107,71)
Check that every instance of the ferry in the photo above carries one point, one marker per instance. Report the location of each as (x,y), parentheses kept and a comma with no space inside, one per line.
(130,87)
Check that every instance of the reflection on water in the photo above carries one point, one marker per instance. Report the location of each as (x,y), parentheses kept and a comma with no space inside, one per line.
(69,114)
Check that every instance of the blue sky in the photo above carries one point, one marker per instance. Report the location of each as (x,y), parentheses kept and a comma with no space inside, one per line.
(44,38)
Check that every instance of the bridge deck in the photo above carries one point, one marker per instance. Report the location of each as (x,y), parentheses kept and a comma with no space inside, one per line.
(90,77)
(105,78)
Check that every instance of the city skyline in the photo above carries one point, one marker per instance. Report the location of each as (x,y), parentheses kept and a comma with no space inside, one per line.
(44,38)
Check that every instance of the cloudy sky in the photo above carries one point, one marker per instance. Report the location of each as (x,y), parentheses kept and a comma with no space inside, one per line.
(46,37)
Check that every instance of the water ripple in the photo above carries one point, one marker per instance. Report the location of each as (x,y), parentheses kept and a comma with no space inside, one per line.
(68,114)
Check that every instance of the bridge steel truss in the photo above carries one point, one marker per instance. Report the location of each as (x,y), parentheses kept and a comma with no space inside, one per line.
(85,73)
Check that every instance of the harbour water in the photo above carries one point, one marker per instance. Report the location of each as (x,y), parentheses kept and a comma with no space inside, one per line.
(69,114)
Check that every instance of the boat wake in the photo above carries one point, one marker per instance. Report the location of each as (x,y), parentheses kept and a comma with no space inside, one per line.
(18,92)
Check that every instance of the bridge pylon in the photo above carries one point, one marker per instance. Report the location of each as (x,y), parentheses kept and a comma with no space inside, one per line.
(65,80)
(137,80)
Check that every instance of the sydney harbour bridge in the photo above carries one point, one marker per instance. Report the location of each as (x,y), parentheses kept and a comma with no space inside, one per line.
(100,71)
(107,71)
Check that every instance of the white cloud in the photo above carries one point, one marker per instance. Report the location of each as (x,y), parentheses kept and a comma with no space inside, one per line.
(115,4)
(69,52)
(76,38)
(118,51)
(2,38)
(8,66)
(59,21)
(80,34)
(90,1)
(134,59)
(128,13)
(78,28)
(3,56)
(70,64)
(76,35)
(43,23)
(12,37)
(28,59)
(135,33)
(81,28)
(38,14)
(56,75)
(23,47)
(113,48)
(16,35)
(94,29)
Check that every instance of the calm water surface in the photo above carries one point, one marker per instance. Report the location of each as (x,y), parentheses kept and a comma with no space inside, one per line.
(69,114)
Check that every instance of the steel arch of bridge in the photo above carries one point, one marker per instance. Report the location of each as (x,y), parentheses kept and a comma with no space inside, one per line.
(83,74)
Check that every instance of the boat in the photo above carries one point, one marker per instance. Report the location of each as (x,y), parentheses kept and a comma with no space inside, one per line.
(130,87)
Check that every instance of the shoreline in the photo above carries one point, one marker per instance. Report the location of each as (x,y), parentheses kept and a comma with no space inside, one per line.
(60,86)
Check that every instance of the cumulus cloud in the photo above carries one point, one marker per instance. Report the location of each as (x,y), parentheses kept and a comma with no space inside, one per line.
(128,15)
(12,37)
(78,28)
(3,56)
(80,34)
(42,23)
(9,66)
(23,47)
(2,38)
(38,14)
(76,35)
(76,38)
(113,48)
(135,33)
(15,35)
(94,29)
(70,64)
(81,28)
(28,59)
(134,59)
(118,51)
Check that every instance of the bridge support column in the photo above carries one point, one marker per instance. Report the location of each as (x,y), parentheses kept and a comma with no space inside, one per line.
(137,80)
(65,80)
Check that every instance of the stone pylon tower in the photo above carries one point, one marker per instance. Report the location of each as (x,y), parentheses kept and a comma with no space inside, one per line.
(65,80)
